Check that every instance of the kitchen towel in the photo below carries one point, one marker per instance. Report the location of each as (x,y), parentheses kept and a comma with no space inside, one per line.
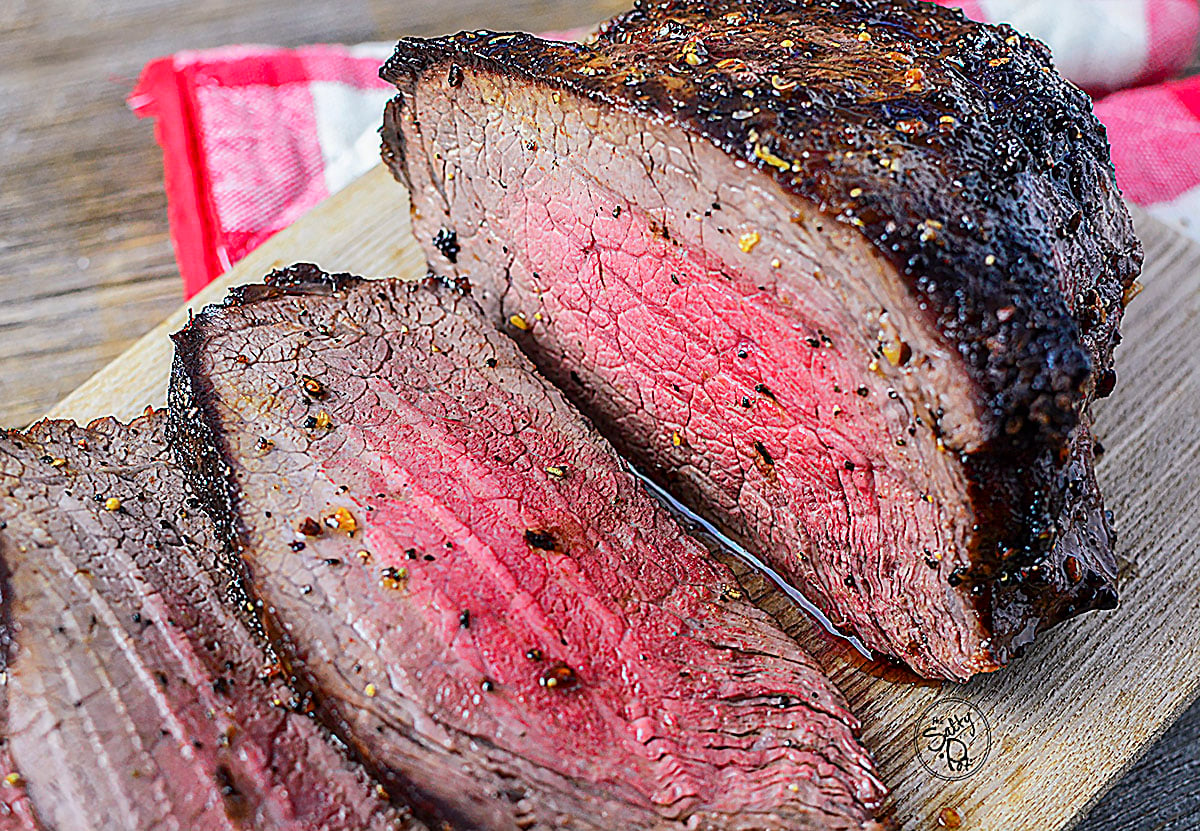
(253,136)
(1102,45)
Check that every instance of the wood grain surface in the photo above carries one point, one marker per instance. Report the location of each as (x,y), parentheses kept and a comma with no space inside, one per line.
(86,267)
(363,229)
(1066,719)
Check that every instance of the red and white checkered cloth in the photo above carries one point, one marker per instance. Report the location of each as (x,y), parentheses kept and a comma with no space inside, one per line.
(1155,136)
(253,137)
(1102,45)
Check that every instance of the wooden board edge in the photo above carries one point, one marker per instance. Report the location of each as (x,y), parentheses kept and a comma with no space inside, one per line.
(134,371)
(1181,706)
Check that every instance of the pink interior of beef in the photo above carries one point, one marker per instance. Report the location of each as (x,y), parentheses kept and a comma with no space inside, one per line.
(759,403)
(503,562)
(136,694)
(729,338)
(498,545)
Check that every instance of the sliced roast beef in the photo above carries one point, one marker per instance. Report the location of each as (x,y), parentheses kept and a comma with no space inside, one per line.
(846,276)
(136,695)
(508,629)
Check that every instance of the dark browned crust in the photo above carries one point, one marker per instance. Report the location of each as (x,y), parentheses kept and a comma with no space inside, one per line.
(7,646)
(998,203)
(6,632)
(203,455)
(197,449)
(1016,124)
(195,444)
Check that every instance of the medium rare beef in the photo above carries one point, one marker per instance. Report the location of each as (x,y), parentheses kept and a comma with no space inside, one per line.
(136,696)
(504,625)
(846,276)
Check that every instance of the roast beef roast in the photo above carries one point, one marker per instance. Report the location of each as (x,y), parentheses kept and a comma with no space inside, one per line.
(136,696)
(493,614)
(846,276)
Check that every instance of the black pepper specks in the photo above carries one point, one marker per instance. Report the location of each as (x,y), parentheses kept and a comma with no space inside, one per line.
(312,387)
(543,540)
(393,578)
(446,241)
(764,456)
(320,421)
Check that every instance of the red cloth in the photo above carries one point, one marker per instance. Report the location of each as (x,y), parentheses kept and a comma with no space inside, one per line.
(1155,135)
(253,137)
(1102,45)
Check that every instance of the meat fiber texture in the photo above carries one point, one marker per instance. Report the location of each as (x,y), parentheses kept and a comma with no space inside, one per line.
(135,696)
(499,620)
(845,276)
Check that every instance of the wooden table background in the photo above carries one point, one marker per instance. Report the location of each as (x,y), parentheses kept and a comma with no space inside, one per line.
(86,265)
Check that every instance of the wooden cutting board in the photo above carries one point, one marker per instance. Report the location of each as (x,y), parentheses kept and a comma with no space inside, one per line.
(1051,732)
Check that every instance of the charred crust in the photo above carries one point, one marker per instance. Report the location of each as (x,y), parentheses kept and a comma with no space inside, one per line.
(970,250)
(306,278)
(963,157)
(1057,563)
(7,641)
(299,280)
(393,148)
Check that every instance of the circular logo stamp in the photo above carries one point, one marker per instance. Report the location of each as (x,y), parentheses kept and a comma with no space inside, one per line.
(952,739)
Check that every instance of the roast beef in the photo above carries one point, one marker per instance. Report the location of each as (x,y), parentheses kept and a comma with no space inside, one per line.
(845,276)
(136,696)
(499,620)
